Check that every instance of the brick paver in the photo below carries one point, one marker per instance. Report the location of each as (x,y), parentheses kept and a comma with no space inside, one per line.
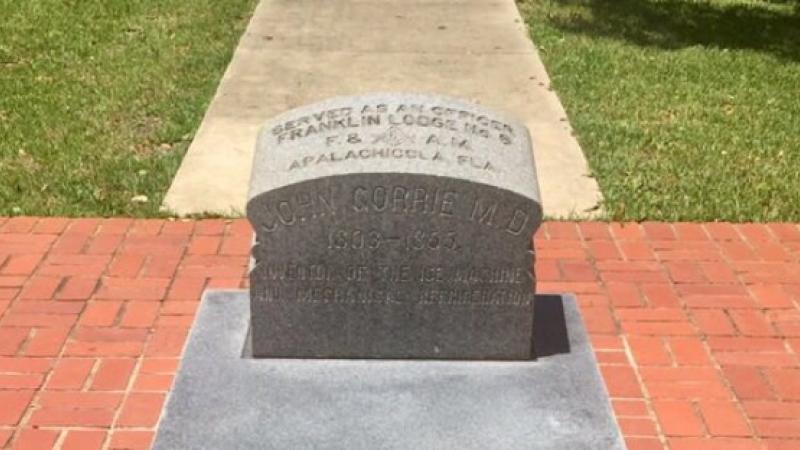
(696,326)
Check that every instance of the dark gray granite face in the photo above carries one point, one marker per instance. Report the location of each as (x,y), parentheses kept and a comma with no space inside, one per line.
(379,235)
(221,400)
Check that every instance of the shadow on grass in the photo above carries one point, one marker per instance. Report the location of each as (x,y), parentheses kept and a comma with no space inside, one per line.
(675,24)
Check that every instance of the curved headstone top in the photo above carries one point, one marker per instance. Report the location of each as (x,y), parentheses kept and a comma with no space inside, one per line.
(393,226)
(395,133)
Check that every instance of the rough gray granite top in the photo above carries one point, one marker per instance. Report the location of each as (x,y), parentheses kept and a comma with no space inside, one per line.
(395,133)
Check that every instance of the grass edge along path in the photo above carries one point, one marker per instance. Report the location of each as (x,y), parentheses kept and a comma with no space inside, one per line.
(687,111)
(101,99)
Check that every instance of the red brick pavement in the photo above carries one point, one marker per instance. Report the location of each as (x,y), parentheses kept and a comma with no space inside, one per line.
(696,327)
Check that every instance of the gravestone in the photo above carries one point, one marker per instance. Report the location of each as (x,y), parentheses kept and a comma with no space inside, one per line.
(393,226)
(390,230)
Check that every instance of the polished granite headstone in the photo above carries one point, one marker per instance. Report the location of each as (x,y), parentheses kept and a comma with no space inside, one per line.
(393,226)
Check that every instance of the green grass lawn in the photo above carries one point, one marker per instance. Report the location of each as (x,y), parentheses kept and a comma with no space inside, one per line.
(99,98)
(687,110)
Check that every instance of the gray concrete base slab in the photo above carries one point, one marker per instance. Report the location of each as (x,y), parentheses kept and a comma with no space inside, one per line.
(222,400)
(297,52)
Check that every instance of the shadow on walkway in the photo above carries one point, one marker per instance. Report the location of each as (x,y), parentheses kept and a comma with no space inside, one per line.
(767,26)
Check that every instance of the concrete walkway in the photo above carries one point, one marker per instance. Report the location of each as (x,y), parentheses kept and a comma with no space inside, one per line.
(296,52)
